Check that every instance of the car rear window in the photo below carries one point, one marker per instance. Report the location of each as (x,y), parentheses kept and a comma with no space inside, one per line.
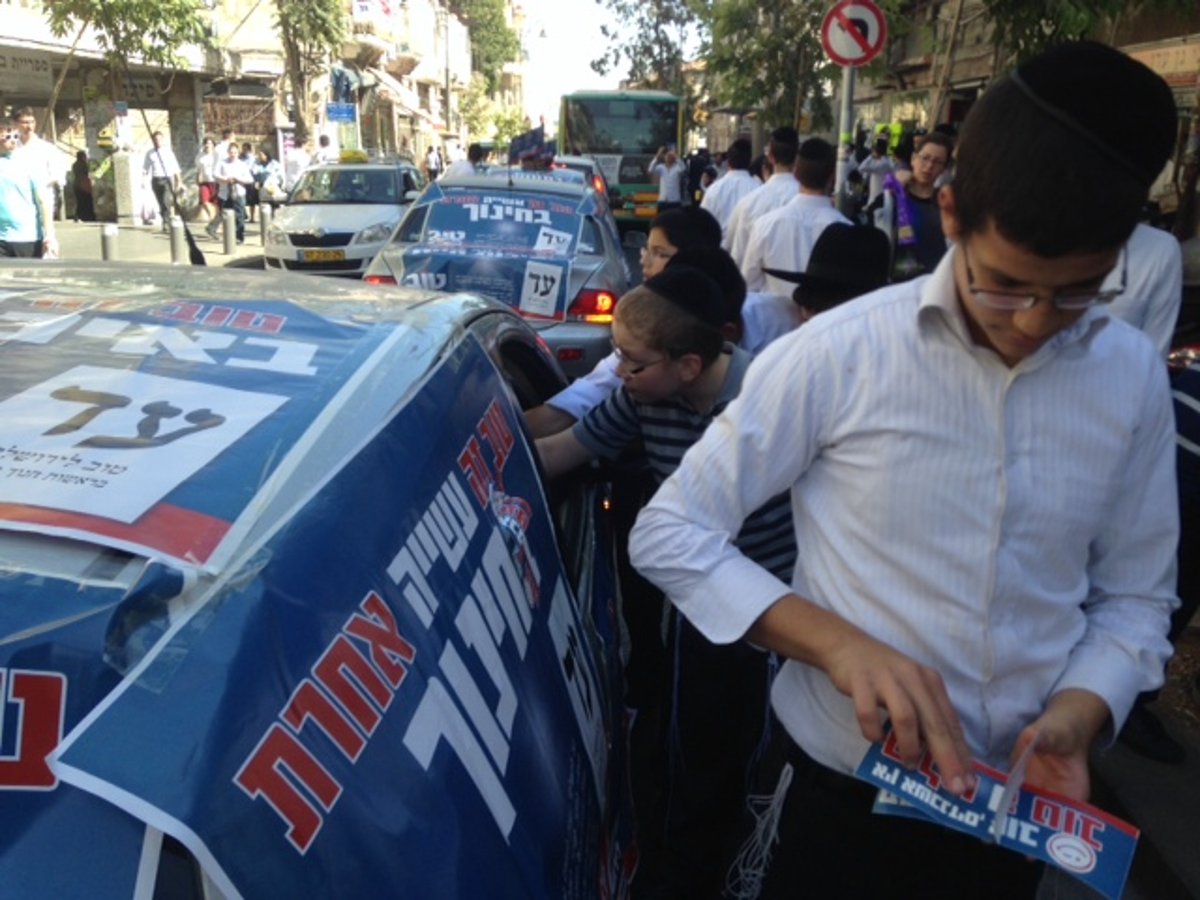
(508,221)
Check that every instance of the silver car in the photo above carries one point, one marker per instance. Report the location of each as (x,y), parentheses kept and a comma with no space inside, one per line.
(543,243)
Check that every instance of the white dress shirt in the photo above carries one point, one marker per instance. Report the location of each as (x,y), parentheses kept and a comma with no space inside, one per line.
(766,317)
(779,189)
(724,193)
(670,180)
(236,169)
(160,162)
(783,239)
(1012,528)
(1154,291)
(590,390)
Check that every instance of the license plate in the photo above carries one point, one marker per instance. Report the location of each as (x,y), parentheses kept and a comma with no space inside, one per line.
(323,255)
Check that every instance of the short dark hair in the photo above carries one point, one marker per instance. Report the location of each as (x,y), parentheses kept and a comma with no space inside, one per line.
(785,142)
(688,226)
(475,153)
(23,112)
(816,162)
(740,153)
(1042,157)
(939,139)
(323,140)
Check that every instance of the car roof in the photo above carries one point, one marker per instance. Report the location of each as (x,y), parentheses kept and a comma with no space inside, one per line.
(217,339)
(562,182)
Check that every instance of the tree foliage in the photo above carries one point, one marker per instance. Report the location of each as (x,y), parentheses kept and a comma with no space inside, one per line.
(476,107)
(1023,28)
(150,32)
(311,33)
(493,42)
(767,55)
(508,123)
(649,46)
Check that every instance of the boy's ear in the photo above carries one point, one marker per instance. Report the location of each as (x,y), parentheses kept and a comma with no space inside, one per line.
(690,365)
(946,205)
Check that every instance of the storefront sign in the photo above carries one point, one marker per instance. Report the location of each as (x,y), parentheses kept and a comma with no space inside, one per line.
(25,72)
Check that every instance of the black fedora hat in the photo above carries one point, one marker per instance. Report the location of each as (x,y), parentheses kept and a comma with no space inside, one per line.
(845,258)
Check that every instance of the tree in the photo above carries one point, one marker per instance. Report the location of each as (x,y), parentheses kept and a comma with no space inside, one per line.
(311,32)
(493,42)
(1023,28)
(476,107)
(651,41)
(509,122)
(767,55)
(149,31)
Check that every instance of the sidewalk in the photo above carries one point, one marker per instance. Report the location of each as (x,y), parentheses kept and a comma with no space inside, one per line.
(82,240)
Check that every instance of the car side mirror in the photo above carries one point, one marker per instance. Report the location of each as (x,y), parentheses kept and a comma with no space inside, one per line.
(410,196)
(634,240)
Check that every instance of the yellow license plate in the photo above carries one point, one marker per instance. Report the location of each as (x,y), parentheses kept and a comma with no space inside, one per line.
(323,255)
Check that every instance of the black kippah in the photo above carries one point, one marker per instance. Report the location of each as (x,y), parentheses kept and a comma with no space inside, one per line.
(720,267)
(1117,105)
(693,292)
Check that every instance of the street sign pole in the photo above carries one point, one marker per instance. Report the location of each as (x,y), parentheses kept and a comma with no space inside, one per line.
(852,34)
(845,127)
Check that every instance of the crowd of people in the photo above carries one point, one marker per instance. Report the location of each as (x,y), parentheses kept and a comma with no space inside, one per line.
(948,507)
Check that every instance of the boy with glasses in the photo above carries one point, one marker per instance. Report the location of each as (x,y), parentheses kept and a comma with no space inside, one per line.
(678,372)
(981,469)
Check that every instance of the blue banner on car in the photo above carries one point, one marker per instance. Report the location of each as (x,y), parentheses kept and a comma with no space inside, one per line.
(396,691)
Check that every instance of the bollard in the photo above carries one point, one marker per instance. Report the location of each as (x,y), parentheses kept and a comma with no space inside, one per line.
(179,252)
(265,214)
(108,242)
(229,223)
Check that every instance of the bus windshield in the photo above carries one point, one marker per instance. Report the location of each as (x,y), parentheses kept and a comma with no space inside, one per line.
(620,125)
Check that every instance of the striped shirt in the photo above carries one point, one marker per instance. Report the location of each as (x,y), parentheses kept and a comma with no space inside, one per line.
(667,428)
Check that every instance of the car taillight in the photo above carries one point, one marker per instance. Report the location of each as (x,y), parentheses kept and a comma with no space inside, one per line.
(594,306)
(598,184)
(380,279)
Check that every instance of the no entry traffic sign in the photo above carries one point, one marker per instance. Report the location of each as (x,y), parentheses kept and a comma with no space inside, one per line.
(853,32)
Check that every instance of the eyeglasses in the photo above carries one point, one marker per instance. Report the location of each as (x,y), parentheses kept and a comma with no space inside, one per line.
(935,162)
(11,135)
(658,253)
(634,368)
(1067,300)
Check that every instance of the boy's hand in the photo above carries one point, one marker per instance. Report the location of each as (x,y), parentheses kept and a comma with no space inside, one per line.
(875,676)
(1065,732)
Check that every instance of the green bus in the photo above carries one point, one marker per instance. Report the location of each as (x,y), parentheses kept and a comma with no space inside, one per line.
(622,130)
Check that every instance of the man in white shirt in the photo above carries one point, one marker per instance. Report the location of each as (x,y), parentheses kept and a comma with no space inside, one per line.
(878,166)
(982,476)
(161,169)
(326,152)
(466,167)
(779,189)
(725,193)
(668,171)
(1154,294)
(233,177)
(40,158)
(784,237)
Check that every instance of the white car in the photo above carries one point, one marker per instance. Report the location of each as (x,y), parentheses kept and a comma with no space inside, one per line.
(339,216)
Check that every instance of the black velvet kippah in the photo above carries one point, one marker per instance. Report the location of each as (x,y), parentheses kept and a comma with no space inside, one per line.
(692,291)
(720,267)
(1114,103)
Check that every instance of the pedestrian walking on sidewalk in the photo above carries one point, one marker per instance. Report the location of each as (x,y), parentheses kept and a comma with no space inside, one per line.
(233,177)
(26,225)
(161,169)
